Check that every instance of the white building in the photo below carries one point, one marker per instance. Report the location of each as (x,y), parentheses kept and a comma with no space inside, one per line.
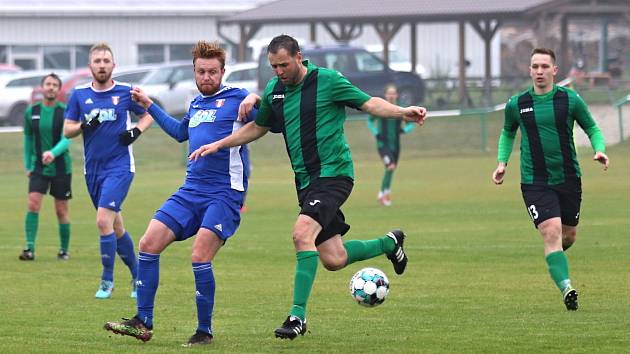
(56,34)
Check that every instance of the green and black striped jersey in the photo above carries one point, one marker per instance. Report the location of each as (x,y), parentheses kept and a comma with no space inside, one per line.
(547,146)
(310,116)
(43,131)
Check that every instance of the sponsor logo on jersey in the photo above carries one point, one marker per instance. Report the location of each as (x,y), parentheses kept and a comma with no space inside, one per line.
(526,110)
(278,97)
(220,102)
(203,116)
(89,101)
(104,115)
(115,100)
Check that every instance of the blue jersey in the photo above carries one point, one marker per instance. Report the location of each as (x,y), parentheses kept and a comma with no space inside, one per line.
(211,118)
(103,152)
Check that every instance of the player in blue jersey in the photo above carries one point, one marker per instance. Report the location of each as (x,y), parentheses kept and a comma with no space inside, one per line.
(209,201)
(100,111)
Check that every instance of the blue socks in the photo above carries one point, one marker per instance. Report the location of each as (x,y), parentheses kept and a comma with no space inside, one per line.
(204,283)
(125,250)
(108,256)
(147,283)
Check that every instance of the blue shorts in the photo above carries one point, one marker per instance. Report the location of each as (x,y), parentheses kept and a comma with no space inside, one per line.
(189,209)
(108,191)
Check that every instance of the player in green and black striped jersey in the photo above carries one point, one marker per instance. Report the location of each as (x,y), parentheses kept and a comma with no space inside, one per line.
(306,103)
(387,133)
(48,165)
(550,173)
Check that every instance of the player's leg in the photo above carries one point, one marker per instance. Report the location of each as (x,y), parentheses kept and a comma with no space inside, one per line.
(105,224)
(305,232)
(109,191)
(543,206)
(125,249)
(37,187)
(388,161)
(569,234)
(61,190)
(205,247)
(156,238)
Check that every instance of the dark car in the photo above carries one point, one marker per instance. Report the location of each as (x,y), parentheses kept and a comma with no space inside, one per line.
(364,69)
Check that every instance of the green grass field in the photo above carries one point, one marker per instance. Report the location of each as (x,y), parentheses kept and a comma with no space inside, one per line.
(476,281)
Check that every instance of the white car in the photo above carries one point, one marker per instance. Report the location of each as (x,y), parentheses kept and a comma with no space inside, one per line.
(15,93)
(169,86)
(243,75)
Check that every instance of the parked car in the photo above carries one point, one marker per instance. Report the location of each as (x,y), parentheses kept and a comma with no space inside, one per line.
(365,70)
(169,85)
(8,68)
(397,61)
(129,74)
(242,75)
(15,94)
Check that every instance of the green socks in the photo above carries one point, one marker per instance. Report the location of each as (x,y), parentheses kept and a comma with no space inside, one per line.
(305,270)
(64,236)
(559,269)
(387,180)
(359,250)
(30,226)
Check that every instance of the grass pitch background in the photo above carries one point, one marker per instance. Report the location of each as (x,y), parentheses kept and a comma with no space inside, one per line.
(476,281)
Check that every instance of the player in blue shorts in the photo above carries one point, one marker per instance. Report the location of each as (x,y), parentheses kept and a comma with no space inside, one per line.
(208,203)
(100,111)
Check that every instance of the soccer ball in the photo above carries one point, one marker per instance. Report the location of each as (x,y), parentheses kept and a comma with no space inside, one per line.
(369,287)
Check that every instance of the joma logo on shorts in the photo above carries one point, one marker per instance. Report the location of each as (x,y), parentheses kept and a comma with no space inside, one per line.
(528,109)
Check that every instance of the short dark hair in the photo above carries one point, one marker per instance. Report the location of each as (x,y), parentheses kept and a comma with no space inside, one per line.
(286,42)
(546,51)
(54,76)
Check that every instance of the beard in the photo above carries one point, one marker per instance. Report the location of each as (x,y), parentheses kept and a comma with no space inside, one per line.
(207,90)
(102,77)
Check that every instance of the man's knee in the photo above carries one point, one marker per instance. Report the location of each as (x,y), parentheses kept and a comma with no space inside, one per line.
(568,237)
(150,244)
(551,230)
(303,236)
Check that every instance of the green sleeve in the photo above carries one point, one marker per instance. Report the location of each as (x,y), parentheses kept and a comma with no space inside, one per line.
(28,140)
(61,146)
(587,123)
(506,139)
(264,115)
(372,126)
(408,127)
(344,92)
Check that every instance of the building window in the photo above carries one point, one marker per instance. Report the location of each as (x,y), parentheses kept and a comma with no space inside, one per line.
(151,53)
(163,53)
(57,58)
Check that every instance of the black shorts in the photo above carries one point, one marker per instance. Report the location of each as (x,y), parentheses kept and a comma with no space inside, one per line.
(322,201)
(60,186)
(560,200)
(389,156)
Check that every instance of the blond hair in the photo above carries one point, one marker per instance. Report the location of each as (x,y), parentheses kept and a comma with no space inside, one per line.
(101,46)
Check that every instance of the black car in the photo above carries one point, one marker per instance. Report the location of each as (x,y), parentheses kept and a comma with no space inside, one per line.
(362,68)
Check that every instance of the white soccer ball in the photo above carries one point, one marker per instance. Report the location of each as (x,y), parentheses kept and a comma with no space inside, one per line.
(369,287)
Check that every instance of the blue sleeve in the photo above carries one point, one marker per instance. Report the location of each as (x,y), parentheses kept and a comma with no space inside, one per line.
(178,130)
(72,108)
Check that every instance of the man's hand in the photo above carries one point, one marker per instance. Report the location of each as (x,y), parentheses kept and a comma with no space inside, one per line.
(47,157)
(204,150)
(497,175)
(415,114)
(247,106)
(601,158)
(92,123)
(129,136)
(139,96)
